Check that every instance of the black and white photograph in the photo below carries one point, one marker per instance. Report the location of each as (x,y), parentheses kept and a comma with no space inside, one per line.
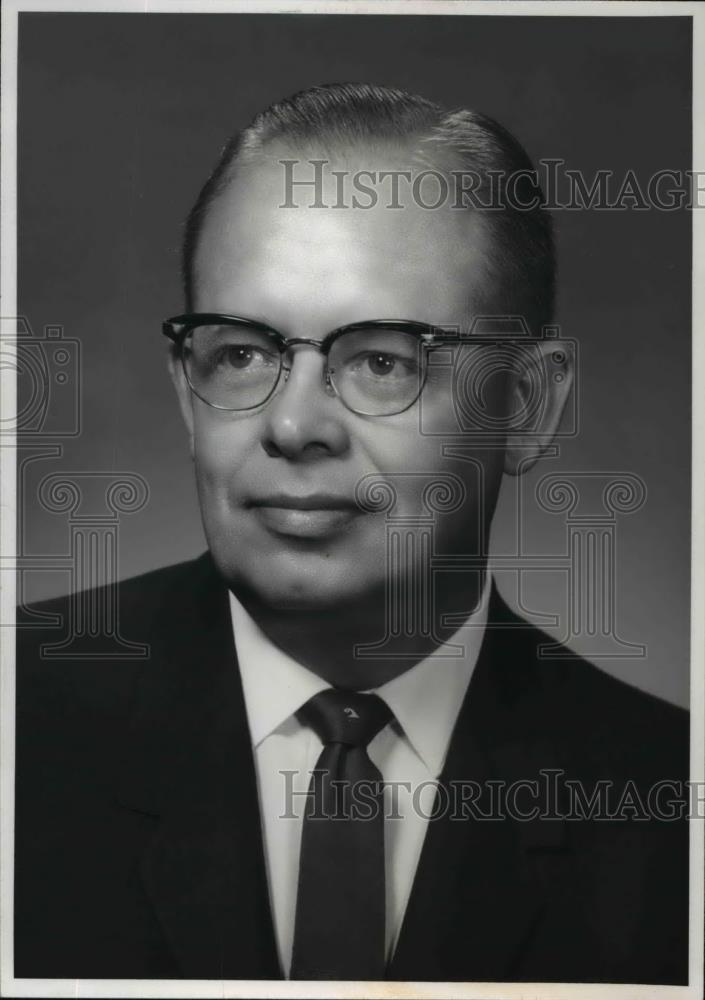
(351,528)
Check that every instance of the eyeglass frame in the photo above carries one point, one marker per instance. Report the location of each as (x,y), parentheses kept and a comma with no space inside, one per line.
(430,337)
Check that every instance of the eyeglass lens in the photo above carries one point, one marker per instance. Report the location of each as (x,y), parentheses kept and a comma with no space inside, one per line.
(374,371)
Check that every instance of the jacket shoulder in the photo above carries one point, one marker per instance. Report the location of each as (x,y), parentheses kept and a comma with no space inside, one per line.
(85,649)
(137,596)
(609,724)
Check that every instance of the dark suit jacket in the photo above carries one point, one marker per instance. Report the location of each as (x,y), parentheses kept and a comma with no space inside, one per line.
(138,841)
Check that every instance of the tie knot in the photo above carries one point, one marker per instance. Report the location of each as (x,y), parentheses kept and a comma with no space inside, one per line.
(345,716)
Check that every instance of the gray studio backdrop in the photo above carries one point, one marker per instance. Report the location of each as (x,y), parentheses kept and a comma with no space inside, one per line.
(120,119)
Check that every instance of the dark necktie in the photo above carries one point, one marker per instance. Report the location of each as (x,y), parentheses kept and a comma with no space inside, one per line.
(340,906)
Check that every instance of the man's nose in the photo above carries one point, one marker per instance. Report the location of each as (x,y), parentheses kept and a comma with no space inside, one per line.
(305,419)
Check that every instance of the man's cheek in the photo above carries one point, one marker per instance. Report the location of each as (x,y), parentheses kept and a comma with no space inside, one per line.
(217,489)
(218,453)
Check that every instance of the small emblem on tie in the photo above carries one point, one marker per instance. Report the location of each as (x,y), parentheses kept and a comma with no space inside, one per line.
(351,713)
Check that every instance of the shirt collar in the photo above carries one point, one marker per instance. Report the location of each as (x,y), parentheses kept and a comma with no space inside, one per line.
(274,685)
(425,699)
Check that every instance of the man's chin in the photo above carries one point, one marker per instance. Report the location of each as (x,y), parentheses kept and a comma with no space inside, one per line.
(304,589)
(309,595)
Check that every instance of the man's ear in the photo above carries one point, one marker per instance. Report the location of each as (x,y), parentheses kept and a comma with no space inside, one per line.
(176,371)
(539,389)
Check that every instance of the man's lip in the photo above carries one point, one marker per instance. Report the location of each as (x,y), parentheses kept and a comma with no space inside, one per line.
(311,524)
(314,501)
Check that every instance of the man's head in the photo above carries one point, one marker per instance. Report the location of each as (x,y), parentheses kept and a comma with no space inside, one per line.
(342,119)
(308,263)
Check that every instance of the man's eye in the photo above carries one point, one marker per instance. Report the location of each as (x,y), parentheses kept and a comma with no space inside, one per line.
(243,356)
(383,365)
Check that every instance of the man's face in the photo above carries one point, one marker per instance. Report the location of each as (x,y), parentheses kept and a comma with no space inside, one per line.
(306,271)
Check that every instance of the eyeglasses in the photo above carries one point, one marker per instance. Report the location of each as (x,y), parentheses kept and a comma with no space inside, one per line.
(376,367)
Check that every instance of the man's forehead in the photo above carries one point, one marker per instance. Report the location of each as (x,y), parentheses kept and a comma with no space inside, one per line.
(340,206)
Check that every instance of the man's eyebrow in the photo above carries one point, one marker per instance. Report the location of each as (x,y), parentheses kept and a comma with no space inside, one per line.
(255,316)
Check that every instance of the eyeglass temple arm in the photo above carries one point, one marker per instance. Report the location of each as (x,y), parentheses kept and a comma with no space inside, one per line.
(441,337)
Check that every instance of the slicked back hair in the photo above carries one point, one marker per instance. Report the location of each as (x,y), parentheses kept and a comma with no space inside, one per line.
(343,116)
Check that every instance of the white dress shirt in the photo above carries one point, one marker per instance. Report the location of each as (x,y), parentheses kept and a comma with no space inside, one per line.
(425,702)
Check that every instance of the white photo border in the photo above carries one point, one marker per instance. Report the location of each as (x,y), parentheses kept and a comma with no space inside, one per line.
(11,987)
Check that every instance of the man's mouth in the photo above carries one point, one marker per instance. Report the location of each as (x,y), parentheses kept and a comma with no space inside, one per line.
(316,515)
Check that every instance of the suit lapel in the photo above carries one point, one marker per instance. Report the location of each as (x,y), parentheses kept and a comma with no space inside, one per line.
(189,763)
(481,884)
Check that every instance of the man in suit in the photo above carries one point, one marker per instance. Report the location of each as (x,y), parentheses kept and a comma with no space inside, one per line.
(168,823)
